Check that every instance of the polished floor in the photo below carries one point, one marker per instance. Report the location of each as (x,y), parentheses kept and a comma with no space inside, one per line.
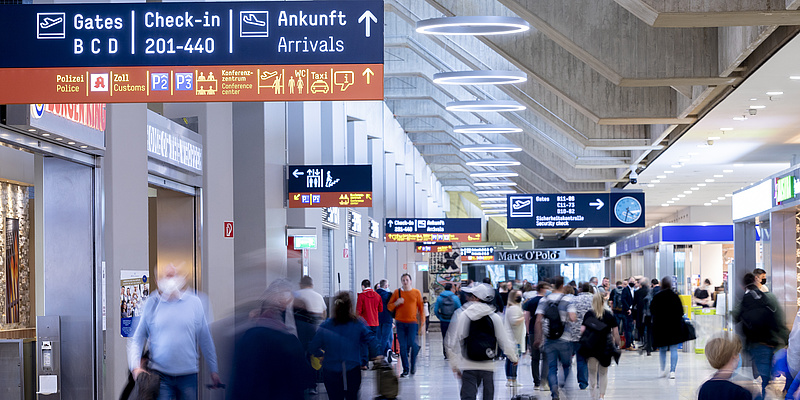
(636,377)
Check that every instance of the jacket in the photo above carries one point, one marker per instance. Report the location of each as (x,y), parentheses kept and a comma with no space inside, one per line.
(368,306)
(438,305)
(385,316)
(779,337)
(667,312)
(639,303)
(340,344)
(459,330)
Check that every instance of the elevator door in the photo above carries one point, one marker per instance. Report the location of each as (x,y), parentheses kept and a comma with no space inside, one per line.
(173,232)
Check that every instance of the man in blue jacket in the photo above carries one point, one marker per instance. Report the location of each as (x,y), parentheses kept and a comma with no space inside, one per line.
(446,305)
(385,320)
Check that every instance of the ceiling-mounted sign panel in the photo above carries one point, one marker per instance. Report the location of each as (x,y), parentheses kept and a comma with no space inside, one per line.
(183,52)
(330,186)
(433,230)
(576,210)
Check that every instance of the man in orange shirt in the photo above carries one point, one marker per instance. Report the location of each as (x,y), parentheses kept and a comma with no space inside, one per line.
(406,302)
(368,306)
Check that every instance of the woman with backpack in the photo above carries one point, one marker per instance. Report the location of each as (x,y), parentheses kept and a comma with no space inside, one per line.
(515,323)
(599,344)
(669,330)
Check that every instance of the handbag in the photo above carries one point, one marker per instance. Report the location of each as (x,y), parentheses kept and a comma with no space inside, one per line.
(689,332)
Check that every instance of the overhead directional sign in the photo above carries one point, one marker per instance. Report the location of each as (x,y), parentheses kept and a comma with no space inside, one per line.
(472,254)
(330,186)
(422,247)
(579,210)
(433,230)
(183,52)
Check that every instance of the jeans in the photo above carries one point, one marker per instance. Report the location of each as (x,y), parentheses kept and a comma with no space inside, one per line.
(385,338)
(537,355)
(628,331)
(582,367)
(673,357)
(407,336)
(598,378)
(342,386)
(470,380)
(511,370)
(762,360)
(365,347)
(444,326)
(557,351)
(180,387)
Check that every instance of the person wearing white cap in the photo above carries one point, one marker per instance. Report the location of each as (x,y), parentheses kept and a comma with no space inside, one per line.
(472,339)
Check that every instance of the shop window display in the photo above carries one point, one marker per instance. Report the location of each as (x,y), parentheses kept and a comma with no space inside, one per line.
(15,290)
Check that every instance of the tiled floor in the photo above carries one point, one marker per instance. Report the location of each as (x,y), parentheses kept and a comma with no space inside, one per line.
(636,377)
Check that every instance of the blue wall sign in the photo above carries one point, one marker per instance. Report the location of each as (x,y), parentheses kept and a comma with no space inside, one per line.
(576,210)
(199,34)
(330,186)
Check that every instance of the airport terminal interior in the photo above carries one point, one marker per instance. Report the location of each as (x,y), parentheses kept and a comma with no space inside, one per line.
(218,184)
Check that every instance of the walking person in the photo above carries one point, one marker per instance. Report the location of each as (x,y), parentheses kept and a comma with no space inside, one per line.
(445,307)
(762,324)
(668,326)
(174,323)
(515,323)
(723,353)
(406,302)
(338,342)
(638,310)
(385,319)
(583,303)
(426,306)
(599,343)
(552,314)
(539,366)
(472,341)
(368,307)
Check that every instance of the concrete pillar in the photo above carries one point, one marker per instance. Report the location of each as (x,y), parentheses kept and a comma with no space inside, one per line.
(650,263)
(744,256)
(126,229)
(784,261)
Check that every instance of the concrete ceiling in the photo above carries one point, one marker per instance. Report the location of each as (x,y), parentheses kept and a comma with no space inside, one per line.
(611,84)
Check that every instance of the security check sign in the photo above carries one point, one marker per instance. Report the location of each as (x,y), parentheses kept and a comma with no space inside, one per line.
(184,52)
(576,210)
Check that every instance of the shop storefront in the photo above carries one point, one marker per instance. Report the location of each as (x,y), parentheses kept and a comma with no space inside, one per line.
(578,264)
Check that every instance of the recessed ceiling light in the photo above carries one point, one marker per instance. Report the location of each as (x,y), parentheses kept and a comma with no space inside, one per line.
(45,134)
(494,174)
(709,180)
(713,138)
(70,142)
(492,162)
(753,99)
(651,185)
(681,195)
(484,106)
(472,25)
(718,176)
(687,192)
(715,201)
(496,191)
(738,165)
(488,199)
(662,177)
(742,118)
(676,198)
(727,171)
(665,205)
(655,181)
(481,77)
(695,188)
(728,195)
(676,165)
(701,184)
(795,77)
(32,130)
(84,146)
(774,93)
(726,129)
(706,204)
(670,202)
(59,139)
(721,198)
(757,107)
(487,128)
(495,183)
(668,172)
(490,148)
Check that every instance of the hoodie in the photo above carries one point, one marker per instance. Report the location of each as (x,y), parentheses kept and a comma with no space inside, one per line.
(368,306)
(459,330)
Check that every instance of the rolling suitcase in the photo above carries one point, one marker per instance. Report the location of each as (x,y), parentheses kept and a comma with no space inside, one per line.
(388,385)
(516,396)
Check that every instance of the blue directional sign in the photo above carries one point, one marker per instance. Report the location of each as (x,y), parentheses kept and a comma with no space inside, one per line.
(186,33)
(576,210)
(330,186)
(433,230)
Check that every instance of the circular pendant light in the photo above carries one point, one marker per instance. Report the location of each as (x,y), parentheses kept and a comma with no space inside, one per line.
(493,162)
(487,128)
(473,25)
(496,191)
(484,106)
(495,183)
(491,199)
(479,78)
(491,148)
(494,174)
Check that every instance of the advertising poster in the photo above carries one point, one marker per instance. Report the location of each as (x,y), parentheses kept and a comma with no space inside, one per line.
(12,270)
(445,263)
(134,290)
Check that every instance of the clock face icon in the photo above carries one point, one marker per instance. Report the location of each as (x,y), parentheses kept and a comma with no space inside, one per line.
(628,210)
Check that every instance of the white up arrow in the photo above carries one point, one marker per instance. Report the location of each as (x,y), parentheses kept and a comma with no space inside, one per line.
(297,173)
(599,204)
(368,16)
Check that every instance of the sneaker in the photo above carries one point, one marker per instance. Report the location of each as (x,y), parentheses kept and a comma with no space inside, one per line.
(671,375)
(536,387)
(508,383)
(545,388)
(663,374)
(404,375)
(515,383)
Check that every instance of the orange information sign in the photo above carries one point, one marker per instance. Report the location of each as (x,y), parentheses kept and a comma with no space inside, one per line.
(330,199)
(433,237)
(192,84)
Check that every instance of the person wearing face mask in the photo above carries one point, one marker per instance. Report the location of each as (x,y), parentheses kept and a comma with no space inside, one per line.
(723,355)
(761,280)
(175,325)
(515,323)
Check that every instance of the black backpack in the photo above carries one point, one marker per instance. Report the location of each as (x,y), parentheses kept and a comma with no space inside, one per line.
(758,318)
(553,317)
(700,294)
(447,308)
(481,343)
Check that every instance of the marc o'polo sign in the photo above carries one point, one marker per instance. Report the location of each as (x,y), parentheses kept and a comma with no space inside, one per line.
(528,255)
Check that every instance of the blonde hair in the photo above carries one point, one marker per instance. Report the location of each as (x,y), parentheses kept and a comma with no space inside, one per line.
(598,304)
(512,297)
(720,350)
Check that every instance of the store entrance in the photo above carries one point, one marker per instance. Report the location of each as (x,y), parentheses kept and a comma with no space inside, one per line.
(173,231)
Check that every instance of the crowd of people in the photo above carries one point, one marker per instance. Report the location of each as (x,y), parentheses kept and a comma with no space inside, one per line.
(332,341)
